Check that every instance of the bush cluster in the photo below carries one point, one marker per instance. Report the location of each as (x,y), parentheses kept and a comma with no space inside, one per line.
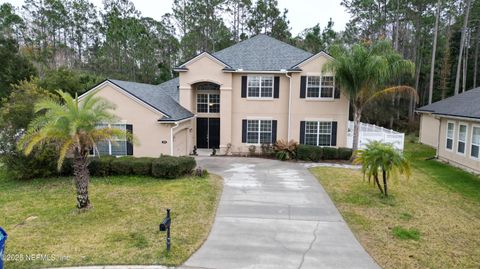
(162,167)
(315,154)
(172,167)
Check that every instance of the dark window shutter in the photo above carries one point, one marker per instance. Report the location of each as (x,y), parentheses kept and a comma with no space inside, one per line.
(129,144)
(276,87)
(302,132)
(337,93)
(274,131)
(244,86)
(303,86)
(334,134)
(244,131)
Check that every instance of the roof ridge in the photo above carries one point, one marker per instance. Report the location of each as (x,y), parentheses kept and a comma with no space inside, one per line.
(265,35)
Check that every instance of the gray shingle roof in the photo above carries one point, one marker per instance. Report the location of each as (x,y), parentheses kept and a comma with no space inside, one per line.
(261,53)
(163,97)
(465,105)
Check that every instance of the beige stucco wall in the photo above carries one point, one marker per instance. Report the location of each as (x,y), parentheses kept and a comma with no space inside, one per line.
(429,129)
(457,159)
(147,131)
(310,109)
(233,108)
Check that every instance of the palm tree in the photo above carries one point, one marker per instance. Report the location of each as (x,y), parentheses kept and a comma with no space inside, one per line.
(365,72)
(72,127)
(382,158)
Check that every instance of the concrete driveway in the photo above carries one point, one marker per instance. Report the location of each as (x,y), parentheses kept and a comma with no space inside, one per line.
(275,214)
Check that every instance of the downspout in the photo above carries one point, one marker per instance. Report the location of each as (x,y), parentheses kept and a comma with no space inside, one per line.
(171,137)
(289,103)
(438,139)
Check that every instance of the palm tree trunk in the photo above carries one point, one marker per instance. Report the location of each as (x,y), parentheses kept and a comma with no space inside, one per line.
(82,178)
(357,115)
(378,183)
(384,175)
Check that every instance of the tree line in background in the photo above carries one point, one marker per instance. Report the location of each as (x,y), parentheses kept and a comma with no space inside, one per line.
(72,44)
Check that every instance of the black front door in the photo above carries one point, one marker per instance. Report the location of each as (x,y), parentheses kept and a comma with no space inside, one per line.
(208,133)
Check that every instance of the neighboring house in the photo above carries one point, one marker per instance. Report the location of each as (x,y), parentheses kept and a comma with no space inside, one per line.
(452,126)
(252,93)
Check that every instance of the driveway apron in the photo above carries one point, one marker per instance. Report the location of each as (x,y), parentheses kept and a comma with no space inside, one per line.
(275,214)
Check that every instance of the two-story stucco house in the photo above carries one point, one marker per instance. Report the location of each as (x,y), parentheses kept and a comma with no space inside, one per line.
(452,126)
(255,92)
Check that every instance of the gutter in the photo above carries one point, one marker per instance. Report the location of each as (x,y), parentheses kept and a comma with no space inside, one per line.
(289,104)
(176,124)
(171,137)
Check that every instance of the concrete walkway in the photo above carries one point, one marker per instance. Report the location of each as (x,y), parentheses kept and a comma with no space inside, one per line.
(275,214)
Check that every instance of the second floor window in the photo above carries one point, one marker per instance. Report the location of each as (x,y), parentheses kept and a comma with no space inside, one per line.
(208,103)
(260,87)
(321,87)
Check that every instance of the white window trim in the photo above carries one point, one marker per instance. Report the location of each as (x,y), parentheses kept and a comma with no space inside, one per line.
(453,138)
(471,143)
(466,139)
(318,133)
(320,98)
(97,153)
(259,132)
(208,102)
(259,97)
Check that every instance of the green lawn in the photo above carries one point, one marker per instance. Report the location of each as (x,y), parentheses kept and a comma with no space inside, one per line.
(122,228)
(430,221)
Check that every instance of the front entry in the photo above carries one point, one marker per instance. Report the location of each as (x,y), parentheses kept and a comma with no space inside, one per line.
(208,133)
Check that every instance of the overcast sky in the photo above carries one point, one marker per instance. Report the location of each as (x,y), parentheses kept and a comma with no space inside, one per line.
(301,13)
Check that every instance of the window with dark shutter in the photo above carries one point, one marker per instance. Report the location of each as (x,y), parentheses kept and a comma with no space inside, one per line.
(244,86)
(319,133)
(129,128)
(302,132)
(244,131)
(303,86)
(334,133)
(337,93)
(276,87)
(274,131)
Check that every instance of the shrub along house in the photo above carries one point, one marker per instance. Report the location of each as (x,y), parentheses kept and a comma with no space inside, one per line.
(452,126)
(252,93)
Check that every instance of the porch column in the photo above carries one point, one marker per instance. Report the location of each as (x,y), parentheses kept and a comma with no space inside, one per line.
(225,118)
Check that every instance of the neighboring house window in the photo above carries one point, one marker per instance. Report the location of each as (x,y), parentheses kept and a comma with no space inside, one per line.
(260,87)
(320,87)
(112,147)
(208,103)
(462,138)
(450,132)
(259,131)
(474,152)
(318,133)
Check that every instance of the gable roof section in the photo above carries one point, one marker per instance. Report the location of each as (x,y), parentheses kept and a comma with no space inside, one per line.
(311,58)
(466,105)
(262,53)
(183,67)
(162,98)
(259,53)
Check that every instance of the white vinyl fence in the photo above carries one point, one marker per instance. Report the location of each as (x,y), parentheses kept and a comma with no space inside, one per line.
(370,132)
